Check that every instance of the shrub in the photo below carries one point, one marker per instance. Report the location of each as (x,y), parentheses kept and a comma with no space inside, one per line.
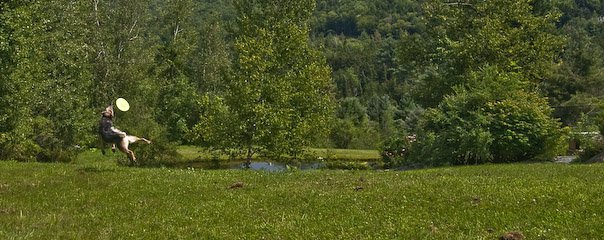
(53,145)
(589,145)
(395,150)
(159,153)
(342,133)
(178,109)
(15,142)
(43,139)
(494,119)
(345,134)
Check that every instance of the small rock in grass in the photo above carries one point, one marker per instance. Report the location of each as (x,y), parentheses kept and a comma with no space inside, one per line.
(514,235)
(236,185)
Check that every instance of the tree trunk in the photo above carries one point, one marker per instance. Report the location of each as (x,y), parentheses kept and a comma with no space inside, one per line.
(248,161)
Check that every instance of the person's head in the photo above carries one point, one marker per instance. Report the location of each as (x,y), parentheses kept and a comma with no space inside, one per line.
(108,112)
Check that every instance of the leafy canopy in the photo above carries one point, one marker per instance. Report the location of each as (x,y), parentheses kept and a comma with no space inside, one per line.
(278,97)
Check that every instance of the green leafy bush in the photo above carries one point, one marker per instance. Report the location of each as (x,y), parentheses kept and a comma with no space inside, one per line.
(395,150)
(342,133)
(159,153)
(346,135)
(589,144)
(494,119)
(590,147)
(54,143)
(179,109)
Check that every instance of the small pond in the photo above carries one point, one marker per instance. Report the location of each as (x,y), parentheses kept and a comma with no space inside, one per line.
(271,166)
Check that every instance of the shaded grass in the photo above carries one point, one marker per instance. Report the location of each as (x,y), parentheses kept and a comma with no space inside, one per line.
(196,153)
(99,200)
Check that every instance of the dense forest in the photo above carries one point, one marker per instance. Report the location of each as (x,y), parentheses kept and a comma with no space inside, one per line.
(472,81)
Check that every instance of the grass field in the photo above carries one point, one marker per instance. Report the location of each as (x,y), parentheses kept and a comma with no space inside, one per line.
(100,200)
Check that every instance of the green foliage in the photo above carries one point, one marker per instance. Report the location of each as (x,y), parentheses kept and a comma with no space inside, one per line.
(580,72)
(590,147)
(215,129)
(492,120)
(253,64)
(465,37)
(178,109)
(575,84)
(394,151)
(352,17)
(13,143)
(178,101)
(383,111)
(46,84)
(213,58)
(123,53)
(160,153)
(600,123)
(346,134)
(357,128)
(278,96)
(351,108)
(342,133)
(586,136)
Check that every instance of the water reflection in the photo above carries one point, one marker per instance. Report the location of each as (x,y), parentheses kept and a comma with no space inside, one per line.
(272,166)
(255,165)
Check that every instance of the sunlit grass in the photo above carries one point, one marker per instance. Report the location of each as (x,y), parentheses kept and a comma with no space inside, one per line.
(97,199)
(346,154)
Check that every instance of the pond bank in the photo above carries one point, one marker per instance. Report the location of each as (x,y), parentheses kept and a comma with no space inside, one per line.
(276,166)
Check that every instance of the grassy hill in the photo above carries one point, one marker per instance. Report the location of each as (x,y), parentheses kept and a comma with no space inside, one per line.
(100,200)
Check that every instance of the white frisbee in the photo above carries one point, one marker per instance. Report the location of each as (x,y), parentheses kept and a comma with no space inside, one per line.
(122,104)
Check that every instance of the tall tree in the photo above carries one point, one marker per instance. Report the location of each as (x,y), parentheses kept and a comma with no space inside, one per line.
(478,67)
(49,80)
(576,83)
(177,106)
(279,95)
(212,60)
(14,129)
(124,50)
(470,35)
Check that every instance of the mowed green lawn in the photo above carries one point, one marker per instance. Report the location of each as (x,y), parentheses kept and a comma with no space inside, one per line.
(100,200)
